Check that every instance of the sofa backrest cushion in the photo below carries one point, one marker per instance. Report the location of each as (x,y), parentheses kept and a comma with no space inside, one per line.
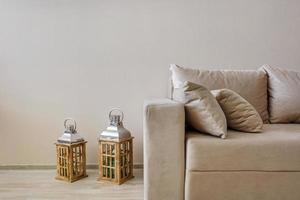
(250,84)
(284,95)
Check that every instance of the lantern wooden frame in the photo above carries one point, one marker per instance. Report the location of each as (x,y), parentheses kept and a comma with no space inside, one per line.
(115,160)
(71,161)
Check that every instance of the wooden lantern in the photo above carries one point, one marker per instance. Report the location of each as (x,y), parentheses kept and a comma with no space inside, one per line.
(71,161)
(115,151)
(70,155)
(115,160)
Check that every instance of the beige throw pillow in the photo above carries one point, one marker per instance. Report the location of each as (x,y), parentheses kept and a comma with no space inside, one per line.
(240,114)
(284,95)
(202,110)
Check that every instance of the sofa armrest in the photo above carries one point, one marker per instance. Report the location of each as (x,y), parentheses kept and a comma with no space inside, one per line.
(164,136)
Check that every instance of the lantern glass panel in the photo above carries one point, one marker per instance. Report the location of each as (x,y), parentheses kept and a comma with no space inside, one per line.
(103,149)
(104,171)
(103,160)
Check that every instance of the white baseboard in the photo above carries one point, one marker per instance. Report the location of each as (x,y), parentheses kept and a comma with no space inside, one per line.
(42,167)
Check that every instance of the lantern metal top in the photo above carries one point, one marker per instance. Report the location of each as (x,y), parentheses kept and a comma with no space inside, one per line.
(115,130)
(70,135)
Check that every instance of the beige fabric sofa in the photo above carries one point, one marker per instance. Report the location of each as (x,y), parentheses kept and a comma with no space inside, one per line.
(181,164)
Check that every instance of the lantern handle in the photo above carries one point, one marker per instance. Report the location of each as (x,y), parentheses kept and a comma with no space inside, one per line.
(120,111)
(70,119)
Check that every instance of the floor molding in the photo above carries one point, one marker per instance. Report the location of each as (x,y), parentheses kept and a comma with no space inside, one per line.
(43,167)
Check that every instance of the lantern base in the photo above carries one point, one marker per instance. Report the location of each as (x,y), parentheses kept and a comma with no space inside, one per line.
(70,180)
(115,182)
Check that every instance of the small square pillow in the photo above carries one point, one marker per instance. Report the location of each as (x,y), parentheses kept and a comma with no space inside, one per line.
(284,95)
(240,114)
(202,110)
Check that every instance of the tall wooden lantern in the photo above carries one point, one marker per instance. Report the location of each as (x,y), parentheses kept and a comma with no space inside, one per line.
(115,151)
(70,154)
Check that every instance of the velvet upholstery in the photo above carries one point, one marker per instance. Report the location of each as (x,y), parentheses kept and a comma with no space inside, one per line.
(164,123)
(242,185)
(276,149)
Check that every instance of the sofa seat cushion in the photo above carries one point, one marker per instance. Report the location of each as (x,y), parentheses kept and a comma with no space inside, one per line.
(276,149)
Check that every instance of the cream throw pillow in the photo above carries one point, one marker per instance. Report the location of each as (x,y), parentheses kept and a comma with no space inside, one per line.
(202,110)
(284,95)
(240,114)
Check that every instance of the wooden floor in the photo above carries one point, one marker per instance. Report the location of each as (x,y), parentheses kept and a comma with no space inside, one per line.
(41,185)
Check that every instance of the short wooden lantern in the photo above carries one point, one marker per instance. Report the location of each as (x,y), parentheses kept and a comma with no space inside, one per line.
(115,152)
(115,159)
(70,155)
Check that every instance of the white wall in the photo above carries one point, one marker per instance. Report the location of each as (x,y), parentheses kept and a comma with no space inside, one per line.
(79,58)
